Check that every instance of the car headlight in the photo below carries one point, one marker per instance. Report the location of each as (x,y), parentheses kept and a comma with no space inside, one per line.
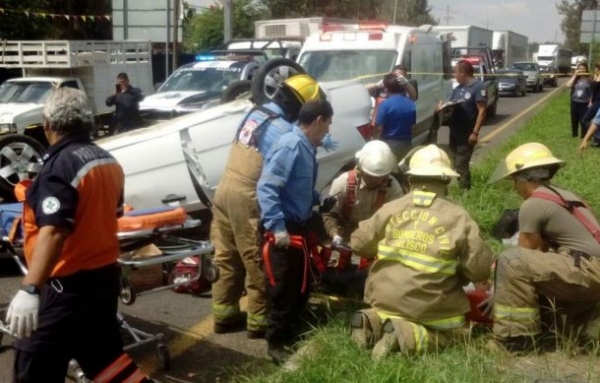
(8,128)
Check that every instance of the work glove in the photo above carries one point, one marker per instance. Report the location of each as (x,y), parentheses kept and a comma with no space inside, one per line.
(282,239)
(22,314)
(337,242)
(327,204)
(329,144)
(402,81)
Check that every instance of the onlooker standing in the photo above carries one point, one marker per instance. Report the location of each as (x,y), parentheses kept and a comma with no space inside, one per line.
(286,195)
(395,119)
(592,132)
(594,104)
(126,100)
(580,98)
(67,304)
(466,120)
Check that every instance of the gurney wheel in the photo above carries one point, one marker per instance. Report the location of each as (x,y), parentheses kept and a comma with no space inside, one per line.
(211,272)
(127,294)
(164,356)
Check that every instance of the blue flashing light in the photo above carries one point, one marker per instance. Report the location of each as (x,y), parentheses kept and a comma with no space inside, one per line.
(205,58)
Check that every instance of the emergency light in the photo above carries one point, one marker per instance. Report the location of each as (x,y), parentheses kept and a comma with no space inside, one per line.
(205,58)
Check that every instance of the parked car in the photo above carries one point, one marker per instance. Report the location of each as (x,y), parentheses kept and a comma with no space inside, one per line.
(199,85)
(531,70)
(512,82)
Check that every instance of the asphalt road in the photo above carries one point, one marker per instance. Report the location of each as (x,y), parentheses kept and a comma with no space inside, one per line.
(197,354)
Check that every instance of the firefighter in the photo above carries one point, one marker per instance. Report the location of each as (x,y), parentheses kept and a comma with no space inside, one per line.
(557,262)
(66,306)
(286,195)
(235,223)
(361,191)
(427,248)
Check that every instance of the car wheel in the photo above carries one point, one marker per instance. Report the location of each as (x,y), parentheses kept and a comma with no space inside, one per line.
(237,89)
(270,75)
(491,112)
(541,87)
(555,83)
(20,159)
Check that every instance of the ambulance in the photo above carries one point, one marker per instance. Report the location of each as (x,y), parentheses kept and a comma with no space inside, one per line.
(367,51)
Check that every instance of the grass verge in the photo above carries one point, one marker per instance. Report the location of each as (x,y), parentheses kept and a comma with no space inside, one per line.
(336,359)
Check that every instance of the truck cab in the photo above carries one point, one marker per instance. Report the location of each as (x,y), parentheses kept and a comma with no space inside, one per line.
(367,51)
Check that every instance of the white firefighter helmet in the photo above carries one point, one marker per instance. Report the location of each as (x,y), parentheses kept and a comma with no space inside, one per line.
(376,159)
(431,161)
(526,156)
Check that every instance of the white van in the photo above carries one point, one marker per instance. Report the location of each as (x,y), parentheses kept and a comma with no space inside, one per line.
(369,51)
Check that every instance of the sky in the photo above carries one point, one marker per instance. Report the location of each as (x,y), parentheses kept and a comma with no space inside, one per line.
(536,19)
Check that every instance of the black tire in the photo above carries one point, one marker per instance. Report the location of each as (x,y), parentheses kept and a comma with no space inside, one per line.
(127,294)
(210,270)
(20,159)
(555,83)
(236,90)
(270,75)
(164,356)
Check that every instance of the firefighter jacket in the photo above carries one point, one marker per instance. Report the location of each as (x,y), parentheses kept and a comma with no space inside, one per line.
(428,248)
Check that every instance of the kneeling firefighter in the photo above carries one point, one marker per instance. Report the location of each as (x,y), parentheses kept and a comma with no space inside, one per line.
(235,224)
(427,248)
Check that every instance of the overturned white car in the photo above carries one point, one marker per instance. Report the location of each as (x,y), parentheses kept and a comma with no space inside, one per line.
(183,159)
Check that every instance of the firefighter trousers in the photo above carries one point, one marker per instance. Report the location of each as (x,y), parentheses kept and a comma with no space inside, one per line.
(235,235)
(412,337)
(536,292)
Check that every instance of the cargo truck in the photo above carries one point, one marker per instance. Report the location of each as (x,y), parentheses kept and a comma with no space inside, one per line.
(509,47)
(467,35)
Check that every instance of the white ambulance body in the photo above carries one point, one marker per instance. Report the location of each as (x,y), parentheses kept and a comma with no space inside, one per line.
(368,51)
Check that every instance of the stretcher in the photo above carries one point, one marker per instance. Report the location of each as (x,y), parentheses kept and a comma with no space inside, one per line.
(137,229)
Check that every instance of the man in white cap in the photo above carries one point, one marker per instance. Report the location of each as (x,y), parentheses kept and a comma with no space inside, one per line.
(427,248)
(554,273)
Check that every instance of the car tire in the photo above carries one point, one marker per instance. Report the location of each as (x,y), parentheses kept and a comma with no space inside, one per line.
(541,89)
(235,90)
(555,83)
(20,159)
(270,75)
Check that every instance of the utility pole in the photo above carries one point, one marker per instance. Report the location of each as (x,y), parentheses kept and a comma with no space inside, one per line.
(175,31)
(168,39)
(449,13)
(228,20)
(395,10)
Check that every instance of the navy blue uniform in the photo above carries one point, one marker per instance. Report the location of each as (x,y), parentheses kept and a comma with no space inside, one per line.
(127,104)
(462,123)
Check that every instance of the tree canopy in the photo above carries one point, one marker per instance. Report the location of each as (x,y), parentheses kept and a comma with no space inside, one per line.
(205,30)
(571,22)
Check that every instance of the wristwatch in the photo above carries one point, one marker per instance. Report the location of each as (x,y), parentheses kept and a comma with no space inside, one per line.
(30,289)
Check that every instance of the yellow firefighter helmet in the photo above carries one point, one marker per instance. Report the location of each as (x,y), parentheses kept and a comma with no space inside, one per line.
(526,156)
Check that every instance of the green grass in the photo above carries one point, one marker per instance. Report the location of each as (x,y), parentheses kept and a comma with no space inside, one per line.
(337,359)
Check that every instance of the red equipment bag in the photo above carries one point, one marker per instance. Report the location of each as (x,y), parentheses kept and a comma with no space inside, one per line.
(186,273)
(475,315)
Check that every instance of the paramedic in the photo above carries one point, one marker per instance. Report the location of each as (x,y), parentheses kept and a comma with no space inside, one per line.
(361,191)
(466,120)
(286,196)
(126,100)
(427,248)
(235,224)
(66,307)
(395,118)
(557,262)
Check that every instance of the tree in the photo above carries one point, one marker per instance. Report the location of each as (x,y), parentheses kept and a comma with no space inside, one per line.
(15,24)
(571,23)
(408,12)
(205,30)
